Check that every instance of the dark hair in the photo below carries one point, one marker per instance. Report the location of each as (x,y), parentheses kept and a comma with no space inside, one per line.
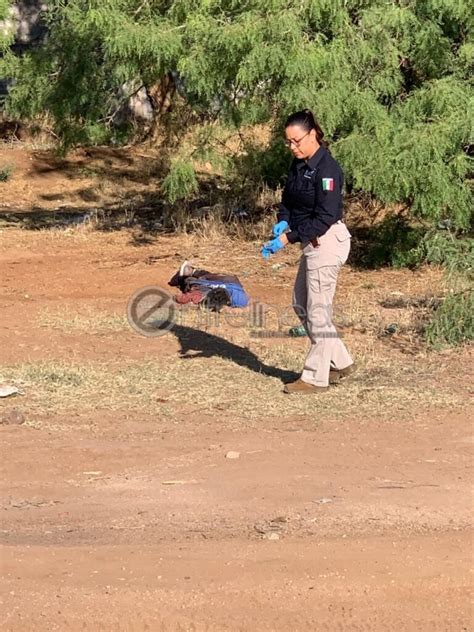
(306,120)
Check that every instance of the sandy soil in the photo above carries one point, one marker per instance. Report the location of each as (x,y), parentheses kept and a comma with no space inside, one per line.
(88,179)
(145,528)
(125,517)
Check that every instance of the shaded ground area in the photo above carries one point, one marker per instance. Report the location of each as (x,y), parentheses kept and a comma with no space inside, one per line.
(120,510)
(88,178)
(110,188)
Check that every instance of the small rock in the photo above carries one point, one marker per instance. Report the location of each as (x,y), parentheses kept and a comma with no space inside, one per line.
(14,418)
(232,455)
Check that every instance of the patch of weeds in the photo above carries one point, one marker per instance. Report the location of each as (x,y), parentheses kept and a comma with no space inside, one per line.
(402,302)
(90,172)
(453,321)
(6,172)
(89,322)
(55,375)
(393,242)
(219,385)
(397,242)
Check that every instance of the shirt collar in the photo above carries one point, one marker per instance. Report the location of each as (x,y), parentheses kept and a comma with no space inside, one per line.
(316,158)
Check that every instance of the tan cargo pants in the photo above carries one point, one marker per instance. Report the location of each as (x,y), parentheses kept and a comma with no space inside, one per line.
(313,294)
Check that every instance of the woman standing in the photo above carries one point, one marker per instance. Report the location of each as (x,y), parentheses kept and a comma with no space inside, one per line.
(311,214)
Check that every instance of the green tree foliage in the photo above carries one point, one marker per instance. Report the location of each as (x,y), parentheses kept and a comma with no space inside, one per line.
(453,321)
(180,182)
(7,28)
(390,82)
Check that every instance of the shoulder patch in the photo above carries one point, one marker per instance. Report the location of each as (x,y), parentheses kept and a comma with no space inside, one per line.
(328,184)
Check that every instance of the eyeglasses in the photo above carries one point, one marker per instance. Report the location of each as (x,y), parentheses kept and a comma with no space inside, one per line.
(289,142)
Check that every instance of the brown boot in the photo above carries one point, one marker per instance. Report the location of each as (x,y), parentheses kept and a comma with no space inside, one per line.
(336,375)
(298,386)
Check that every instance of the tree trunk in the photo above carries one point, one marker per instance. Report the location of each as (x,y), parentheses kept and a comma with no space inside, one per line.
(161,95)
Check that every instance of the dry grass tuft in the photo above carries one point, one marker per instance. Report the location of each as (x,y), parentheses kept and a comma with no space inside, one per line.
(218,227)
(233,390)
(91,321)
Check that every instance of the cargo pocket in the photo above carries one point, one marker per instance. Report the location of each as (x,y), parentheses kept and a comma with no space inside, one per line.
(321,279)
(342,233)
(328,278)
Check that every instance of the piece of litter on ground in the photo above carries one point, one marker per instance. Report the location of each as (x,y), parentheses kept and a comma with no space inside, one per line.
(323,501)
(6,391)
(178,482)
(93,473)
(232,455)
(297,332)
(271,536)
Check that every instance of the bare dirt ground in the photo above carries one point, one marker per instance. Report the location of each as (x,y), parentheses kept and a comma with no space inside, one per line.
(101,177)
(120,511)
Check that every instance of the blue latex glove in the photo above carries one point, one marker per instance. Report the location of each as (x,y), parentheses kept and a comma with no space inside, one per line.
(280,228)
(271,247)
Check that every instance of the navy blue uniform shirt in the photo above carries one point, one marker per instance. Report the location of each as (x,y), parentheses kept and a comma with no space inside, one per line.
(312,197)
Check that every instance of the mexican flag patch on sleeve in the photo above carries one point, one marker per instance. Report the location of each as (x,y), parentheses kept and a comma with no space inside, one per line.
(328,184)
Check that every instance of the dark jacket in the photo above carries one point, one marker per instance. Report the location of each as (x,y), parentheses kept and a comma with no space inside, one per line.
(312,197)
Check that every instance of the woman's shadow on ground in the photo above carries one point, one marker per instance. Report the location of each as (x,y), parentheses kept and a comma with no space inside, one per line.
(200,344)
